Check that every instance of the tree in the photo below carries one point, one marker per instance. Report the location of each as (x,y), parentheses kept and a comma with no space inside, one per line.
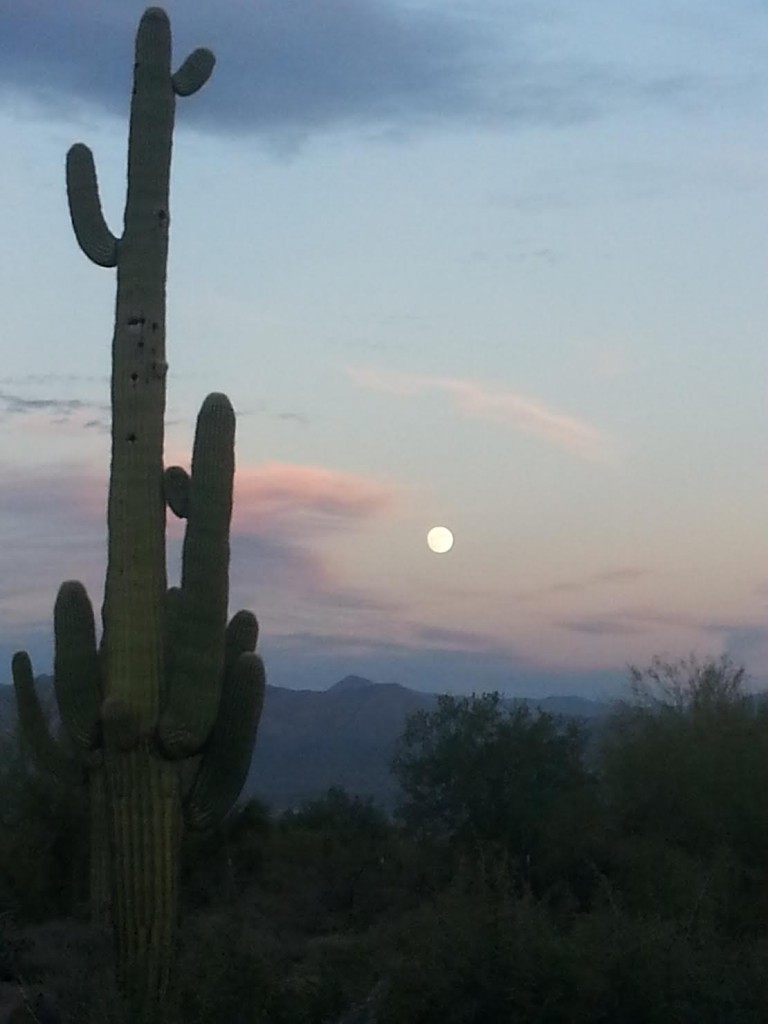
(43,839)
(684,770)
(342,847)
(477,775)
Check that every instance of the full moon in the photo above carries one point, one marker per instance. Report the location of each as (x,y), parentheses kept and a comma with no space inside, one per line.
(440,540)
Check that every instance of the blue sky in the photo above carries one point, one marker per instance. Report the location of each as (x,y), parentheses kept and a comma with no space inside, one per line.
(499,266)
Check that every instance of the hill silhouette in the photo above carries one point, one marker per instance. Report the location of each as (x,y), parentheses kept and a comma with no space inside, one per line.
(310,740)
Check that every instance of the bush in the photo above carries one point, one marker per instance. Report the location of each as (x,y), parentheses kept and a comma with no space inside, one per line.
(43,839)
(69,964)
(239,969)
(476,776)
(684,770)
(481,953)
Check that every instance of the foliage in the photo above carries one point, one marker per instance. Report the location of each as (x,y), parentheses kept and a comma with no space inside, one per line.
(218,864)
(43,838)
(684,766)
(480,952)
(643,900)
(65,964)
(236,967)
(345,848)
(474,774)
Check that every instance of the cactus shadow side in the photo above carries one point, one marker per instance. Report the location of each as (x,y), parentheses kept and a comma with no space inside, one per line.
(161,715)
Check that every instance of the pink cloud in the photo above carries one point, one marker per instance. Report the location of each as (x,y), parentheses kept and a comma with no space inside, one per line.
(480,401)
(276,491)
(53,527)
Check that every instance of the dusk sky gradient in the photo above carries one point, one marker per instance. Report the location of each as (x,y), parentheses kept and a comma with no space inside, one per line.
(500,266)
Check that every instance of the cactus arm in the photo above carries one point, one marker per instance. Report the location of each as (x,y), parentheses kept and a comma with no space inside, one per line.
(242,636)
(76,666)
(176,485)
(228,752)
(198,656)
(94,237)
(46,751)
(194,72)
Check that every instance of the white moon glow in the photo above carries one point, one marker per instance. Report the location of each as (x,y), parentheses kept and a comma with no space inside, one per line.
(440,540)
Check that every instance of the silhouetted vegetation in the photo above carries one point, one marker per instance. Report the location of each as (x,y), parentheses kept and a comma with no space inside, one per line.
(533,872)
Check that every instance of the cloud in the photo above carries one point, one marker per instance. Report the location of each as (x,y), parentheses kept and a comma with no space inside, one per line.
(53,378)
(282,512)
(47,413)
(479,401)
(451,639)
(34,499)
(596,625)
(301,66)
(294,588)
(745,642)
(284,493)
(52,528)
(624,574)
(642,619)
(293,417)
(282,64)
(316,662)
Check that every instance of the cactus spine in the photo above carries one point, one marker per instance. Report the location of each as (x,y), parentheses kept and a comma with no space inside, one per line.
(162,717)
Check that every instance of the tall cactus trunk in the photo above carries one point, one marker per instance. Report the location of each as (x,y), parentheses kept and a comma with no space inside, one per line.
(144,809)
(136,576)
(171,682)
(144,800)
(146,824)
(100,846)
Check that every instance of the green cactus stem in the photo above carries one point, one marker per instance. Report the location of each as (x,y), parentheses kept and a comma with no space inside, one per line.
(227,752)
(76,666)
(194,681)
(225,761)
(163,715)
(77,688)
(176,484)
(47,752)
(143,789)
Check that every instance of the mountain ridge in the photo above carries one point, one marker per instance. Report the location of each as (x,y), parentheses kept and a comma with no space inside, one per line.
(310,740)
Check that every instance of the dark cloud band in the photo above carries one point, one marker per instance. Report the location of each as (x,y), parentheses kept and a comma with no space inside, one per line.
(293,67)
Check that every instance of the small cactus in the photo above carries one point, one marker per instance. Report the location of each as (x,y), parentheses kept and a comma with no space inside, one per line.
(161,716)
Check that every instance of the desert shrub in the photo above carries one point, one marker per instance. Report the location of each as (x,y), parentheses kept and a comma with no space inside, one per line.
(482,952)
(43,839)
(477,776)
(328,866)
(69,964)
(218,864)
(684,771)
(239,969)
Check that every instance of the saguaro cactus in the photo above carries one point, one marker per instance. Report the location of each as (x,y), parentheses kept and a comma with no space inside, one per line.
(171,686)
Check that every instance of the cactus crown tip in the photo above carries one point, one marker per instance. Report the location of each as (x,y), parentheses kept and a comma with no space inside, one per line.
(154,13)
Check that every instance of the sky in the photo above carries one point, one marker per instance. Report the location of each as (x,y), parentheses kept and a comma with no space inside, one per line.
(499,266)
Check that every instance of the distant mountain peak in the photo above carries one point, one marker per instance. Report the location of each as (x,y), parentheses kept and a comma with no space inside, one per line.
(350,683)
